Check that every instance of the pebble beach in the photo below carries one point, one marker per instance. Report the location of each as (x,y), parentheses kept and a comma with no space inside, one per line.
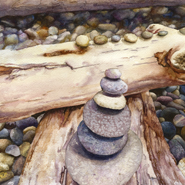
(99,27)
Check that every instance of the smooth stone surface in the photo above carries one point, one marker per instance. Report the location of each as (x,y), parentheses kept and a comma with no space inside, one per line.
(158,113)
(3,167)
(107,27)
(171,88)
(80,30)
(13,150)
(2,125)
(29,136)
(115,38)
(162,33)
(30,128)
(182,89)
(4,133)
(169,113)
(179,120)
(154,96)
(10,125)
(169,129)
(176,92)
(53,30)
(106,122)
(161,119)
(147,35)
(116,87)
(113,73)
(24,148)
(18,165)
(4,176)
(82,41)
(11,39)
(6,159)
(164,99)
(175,105)
(16,136)
(108,34)
(157,105)
(22,124)
(3,144)
(130,37)
(93,34)
(87,169)
(100,39)
(173,96)
(177,147)
(182,30)
(181,166)
(109,102)
(182,97)
(180,102)
(99,145)
(12,181)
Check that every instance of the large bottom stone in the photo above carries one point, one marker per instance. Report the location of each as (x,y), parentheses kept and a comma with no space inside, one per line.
(97,144)
(88,169)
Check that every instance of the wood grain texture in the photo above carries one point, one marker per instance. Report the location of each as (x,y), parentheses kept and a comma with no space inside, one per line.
(23,7)
(45,163)
(33,83)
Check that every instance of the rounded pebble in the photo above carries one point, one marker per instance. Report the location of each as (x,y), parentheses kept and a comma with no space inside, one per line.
(106,122)
(24,148)
(181,166)
(29,136)
(97,144)
(115,87)
(115,38)
(93,34)
(53,30)
(4,176)
(182,30)
(107,27)
(10,125)
(27,122)
(2,125)
(171,88)
(164,99)
(113,73)
(3,167)
(4,133)
(110,102)
(162,33)
(13,150)
(100,39)
(3,144)
(154,96)
(169,129)
(147,35)
(130,37)
(30,128)
(168,113)
(84,167)
(179,120)
(18,165)
(6,159)
(12,181)
(82,41)
(11,39)
(16,136)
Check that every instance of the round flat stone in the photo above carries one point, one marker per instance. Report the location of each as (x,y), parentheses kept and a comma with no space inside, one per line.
(162,33)
(106,122)
(97,144)
(130,37)
(147,35)
(116,87)
(113,73)
(110,102)
(89,169)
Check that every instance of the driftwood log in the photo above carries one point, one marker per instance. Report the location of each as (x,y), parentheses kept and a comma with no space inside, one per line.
(45,162)
(32,80)
(22,7)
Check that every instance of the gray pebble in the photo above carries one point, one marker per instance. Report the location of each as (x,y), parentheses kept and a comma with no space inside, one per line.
(171,88)
(168,113)
(4,133)
(115,38)
(16,136)
(108,34)
(13,150)
(11,39)
(12,181)
(147,35)
(53,30)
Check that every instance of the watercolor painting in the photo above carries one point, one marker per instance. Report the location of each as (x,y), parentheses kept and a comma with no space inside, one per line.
(92,92)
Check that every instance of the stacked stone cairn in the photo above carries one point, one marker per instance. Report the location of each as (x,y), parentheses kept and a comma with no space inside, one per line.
(104,151)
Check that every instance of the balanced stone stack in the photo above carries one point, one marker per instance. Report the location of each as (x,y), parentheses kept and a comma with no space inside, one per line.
(103,150)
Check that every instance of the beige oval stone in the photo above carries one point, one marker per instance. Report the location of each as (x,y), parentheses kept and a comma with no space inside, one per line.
(116,103)
(2,126)
(3,144)
(3,167)
(24,148)
(82,41)
(130,37)
(6,159)
(181,166)
(4,176)
(28,129)
(113,170)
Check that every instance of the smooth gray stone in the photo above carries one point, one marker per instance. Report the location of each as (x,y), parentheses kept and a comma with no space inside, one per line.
(106,122)
(27,122)
(97,144)
(162,33)
(115,38)
(115,87)
(168,113)
(16,136)
(4,133)
(88,169)
(13,150)
(171,88)
(113,73)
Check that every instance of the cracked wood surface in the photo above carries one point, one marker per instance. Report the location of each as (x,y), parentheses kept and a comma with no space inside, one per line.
(23,7)
(45,163)
(32,83)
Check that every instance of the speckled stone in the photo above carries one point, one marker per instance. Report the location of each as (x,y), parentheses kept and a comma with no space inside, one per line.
(100,39)
(3,167)
(130,37)
(18,165)
(110,102)
(113,73)
(6,159)
(169,129)
(115,38)
(115,87)
(13,150)
(4,176)
(162,33)
(147,35)
(179,120)
(88,169)
(82,41)
(106,122)
(97,144)
(24,148)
